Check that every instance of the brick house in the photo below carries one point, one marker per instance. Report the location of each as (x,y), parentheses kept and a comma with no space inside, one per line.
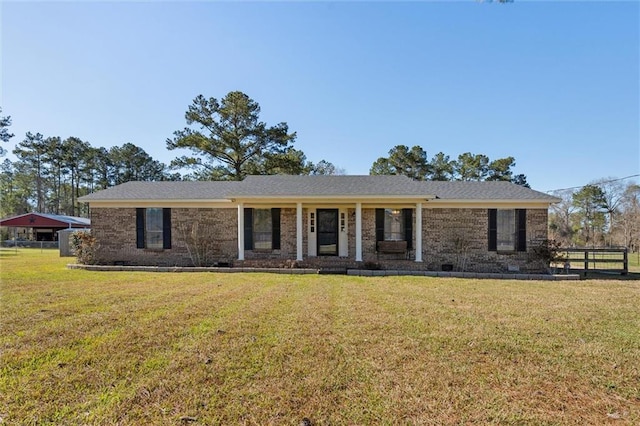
(389,222)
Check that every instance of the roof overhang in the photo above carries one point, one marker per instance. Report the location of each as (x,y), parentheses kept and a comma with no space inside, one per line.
(342,199)
(197,203)
(505,204)
(234,201)
(368,201)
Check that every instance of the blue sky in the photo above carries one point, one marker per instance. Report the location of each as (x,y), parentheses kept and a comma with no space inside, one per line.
(555,85)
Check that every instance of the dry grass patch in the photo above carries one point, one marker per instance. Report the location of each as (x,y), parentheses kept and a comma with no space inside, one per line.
(83,347)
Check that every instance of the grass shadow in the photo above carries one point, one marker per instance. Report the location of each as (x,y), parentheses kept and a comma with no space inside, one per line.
(600,275)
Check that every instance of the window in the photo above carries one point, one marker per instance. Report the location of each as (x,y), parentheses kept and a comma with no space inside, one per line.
(395,225)
(261,229)
(153,228)
(507,230)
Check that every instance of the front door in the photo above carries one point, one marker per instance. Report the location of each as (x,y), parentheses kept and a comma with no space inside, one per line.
(327,232)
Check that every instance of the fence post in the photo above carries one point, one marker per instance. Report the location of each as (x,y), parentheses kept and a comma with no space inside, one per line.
(586,260)
(625,265)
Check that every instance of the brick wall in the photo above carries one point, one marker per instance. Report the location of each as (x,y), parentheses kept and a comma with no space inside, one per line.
(209,236)
(198,236)
(460,237)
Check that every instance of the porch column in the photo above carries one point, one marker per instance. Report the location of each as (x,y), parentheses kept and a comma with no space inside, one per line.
(358,232)
(240,231)
(299,231)
(419,232)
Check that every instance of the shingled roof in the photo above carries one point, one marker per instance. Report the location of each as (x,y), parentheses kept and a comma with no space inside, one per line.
(497,190)
(169,190)
(286,186)
(328,186)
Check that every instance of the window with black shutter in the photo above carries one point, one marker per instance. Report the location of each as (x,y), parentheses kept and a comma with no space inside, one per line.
(261,229)
(521,218)
(507,230)
(493,229)
(408,227)
(153,228)
(379,226)
(248,229)
(275,229)
(140,228)
(394,225)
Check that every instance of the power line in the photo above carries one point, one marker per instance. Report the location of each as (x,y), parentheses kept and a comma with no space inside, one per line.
(606,181)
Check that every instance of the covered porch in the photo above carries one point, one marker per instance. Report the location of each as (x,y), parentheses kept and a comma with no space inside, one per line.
(316,231)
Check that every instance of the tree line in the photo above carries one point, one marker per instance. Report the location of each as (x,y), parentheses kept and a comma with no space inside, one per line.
(227,141)
(51,173)
(414,162)
(604,213)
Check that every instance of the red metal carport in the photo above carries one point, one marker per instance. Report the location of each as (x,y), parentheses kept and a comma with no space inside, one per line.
(41,226)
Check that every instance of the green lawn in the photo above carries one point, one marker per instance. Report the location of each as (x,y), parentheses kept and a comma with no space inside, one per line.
(83,347)
(634,262)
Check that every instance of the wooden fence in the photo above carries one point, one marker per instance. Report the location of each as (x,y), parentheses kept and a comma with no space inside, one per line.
(597,259)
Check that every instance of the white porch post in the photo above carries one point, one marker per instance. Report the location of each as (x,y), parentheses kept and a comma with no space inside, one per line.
(299,231)
(358,232)
(419,232)
(240,231)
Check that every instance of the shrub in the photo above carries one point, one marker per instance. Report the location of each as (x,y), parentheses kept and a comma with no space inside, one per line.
(199,239)
(372,266)
(548,252)
(84,244)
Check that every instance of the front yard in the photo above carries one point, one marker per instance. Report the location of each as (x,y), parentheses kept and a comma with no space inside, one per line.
(80,347)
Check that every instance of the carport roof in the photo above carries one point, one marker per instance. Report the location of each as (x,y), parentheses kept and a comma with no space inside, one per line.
(44,220)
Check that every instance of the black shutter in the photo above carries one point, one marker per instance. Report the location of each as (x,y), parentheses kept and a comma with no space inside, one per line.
(275,229)
(521,217)
(248,229)
(140,227)
(408,227)
(166,228)
(493,230)
(379,226)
